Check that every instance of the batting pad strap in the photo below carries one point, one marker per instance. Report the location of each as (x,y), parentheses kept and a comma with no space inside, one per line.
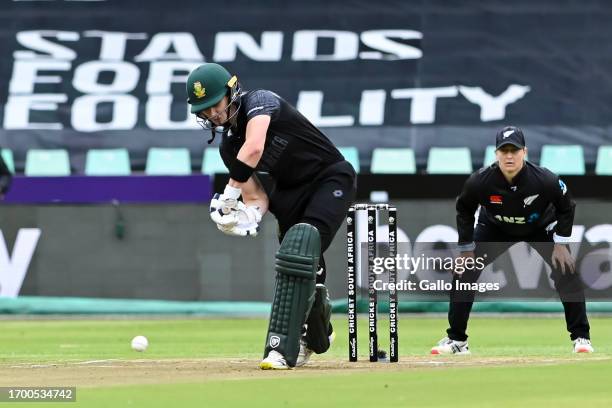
(240,171)
(294,294)
(318,322)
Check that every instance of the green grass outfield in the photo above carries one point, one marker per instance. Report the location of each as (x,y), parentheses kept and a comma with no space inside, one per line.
(516,362)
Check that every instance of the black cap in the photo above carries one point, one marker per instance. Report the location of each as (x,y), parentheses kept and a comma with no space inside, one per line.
(510,135)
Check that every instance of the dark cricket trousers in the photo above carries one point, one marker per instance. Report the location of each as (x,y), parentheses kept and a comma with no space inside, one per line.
(322,203)
(569,286)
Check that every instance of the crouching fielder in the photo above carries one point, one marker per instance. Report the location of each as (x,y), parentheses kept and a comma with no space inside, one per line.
(313,189)
(519,202)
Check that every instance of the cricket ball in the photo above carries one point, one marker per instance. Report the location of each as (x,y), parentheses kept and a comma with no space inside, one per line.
(140,343)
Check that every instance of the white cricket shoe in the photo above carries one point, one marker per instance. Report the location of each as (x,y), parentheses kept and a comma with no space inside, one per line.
(582,345)
(448,346)
(274,361)
(305,353)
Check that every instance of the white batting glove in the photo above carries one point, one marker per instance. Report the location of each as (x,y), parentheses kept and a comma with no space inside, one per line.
(239,221)
(248,214)
(229,198)
(223,204)
(241,214)
(218,215)
(240,230)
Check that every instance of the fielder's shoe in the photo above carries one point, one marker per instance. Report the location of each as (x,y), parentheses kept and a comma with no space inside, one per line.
(448,346)
(582,345)
(305,353)
(274,361)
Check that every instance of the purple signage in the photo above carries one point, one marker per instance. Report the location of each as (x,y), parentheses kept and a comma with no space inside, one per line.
(124,189)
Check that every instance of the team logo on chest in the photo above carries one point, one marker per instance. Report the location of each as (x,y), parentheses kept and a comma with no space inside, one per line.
(511,220)
(495,199)
(528,200)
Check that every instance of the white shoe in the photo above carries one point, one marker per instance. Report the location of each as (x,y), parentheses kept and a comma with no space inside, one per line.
(582,345)
(448,346)
(305,353)
(274,361)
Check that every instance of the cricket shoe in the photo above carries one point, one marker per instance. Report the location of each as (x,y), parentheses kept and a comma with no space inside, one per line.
(305,353)
(582,345)
(274,361)
(448,346)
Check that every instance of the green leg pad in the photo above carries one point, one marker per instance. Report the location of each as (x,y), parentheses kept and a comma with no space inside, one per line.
(296,265)
(318,324)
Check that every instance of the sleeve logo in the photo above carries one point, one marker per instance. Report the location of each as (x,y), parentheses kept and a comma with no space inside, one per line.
(563,187)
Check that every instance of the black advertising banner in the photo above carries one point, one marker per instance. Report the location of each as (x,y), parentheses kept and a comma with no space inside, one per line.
(110,73)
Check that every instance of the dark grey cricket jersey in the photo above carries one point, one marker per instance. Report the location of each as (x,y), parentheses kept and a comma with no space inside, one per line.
(295,151)
(535,199)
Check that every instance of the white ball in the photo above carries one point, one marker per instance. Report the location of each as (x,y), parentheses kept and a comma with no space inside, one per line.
(140,343)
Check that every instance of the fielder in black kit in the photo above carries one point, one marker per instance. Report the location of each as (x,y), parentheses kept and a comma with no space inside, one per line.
(313,187)
(519,202)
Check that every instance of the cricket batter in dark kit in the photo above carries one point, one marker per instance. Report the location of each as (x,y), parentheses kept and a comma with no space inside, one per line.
(518,201)
(313,189)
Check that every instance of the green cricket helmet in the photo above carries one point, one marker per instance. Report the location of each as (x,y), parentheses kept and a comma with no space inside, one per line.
(208,84)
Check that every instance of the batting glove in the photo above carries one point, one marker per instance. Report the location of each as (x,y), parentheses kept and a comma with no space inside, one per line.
(241,222)
(229,198)
(240,230)
(240,215)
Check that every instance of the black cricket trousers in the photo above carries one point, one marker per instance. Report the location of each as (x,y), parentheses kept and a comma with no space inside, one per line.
(569,286)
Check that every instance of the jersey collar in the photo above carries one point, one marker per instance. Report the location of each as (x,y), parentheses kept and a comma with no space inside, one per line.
(516,180)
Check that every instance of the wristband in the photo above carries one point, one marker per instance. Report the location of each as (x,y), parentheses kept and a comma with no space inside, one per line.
(240,171)
(561,240)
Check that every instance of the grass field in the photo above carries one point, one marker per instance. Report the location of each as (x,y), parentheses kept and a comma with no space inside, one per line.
(516,362)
